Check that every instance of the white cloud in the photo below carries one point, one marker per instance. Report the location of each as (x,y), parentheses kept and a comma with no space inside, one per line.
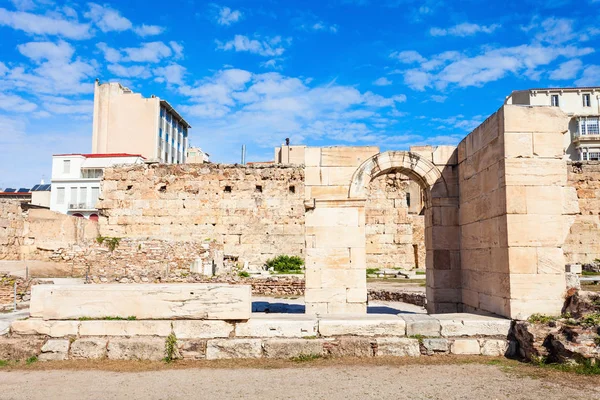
(44,25)
(172,74)
(464,29)
(110,54)
(177,48)
(13,103)
(556,31)
(267,47)
(148,52)
(383,81)
(438,98)
(319,26)
(590,76)
(135,71)
(148,30)
(408,56)
(227,16)
(3,69)
(107,19)
(567,70)
(65,106)
(23,5)
(39,51)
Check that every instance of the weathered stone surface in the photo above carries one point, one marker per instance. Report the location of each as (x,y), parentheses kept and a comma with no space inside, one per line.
(89,348)
(55,350)
(34,326)
(420,324)
(432,346)
(473,326)
(125,328)
(350,347)
(296,326)
(192,349)
(353,326)
(217,349)
(288,348)
(190,301)
(492,347)
(20,348)
(465,346)
(202,329)
(152,349)
(531,338)
(397,347)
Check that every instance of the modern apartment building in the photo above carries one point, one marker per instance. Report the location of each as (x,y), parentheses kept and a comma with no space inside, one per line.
(76,180)
(582,141)
(126,122)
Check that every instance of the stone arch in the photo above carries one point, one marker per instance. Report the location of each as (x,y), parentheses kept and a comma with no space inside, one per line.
(417,168)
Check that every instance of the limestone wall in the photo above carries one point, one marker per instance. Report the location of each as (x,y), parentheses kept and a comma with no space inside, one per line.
(256,212)
(11,229)
(583,242)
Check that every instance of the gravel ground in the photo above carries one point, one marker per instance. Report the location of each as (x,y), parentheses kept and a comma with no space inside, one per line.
(331,382)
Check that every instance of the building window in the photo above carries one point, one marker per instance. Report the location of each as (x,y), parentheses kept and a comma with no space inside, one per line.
(589,126)
(66,166)
(83,195)
(554,100)
(95,196)
(586,100)
(408,200)
(73,196)
(60,195)
(593,156)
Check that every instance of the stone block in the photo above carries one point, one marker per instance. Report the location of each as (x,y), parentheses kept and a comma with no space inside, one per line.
(574,268)
(34,326)
(125,328)
(344,156)
(218,349)
(190,329)
(495,348)
(91,348)
(421,324)
(548,144)
(350,347)
(465,346)
(312,156)
(168,301)
(518,145)
(294,327)
(433,346)
(152,349)
(55,350)
(20,348)
(289,348)
(445,155)
(332,217)
(193,349)
(474,327)
(340,326)
(400,347)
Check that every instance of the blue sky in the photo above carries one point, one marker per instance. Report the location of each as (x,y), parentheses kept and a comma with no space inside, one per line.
(393,73)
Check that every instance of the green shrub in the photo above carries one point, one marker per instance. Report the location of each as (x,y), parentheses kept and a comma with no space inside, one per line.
(372,271)
(31,360)
(285,263)
(306,357)
(170,348)
(540,318)
(243,274)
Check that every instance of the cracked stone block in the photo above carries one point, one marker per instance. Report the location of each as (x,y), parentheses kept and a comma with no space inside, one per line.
(400,347)
(218,349)
(289,348)
(89,348)
(152,349)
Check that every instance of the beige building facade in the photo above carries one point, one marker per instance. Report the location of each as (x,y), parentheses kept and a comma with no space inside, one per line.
(126,122)
(581,141)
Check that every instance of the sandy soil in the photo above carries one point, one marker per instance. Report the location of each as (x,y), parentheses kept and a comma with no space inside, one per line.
(347,379)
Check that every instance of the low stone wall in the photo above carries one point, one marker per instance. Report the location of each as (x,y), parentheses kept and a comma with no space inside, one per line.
(270,336)
(7,290)
(418,299)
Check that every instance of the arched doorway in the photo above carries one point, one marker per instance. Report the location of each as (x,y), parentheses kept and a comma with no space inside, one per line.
(337,283)
(94,217)
(77,215)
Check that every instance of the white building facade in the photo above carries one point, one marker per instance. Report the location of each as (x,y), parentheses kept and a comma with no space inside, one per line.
(582,141)
(76,181)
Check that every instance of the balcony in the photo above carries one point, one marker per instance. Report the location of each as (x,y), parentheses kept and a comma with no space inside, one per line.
(588,129)
(82,207)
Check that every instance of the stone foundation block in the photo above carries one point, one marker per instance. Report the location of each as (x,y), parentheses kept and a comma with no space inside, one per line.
(433,346)
(55,350)
(400,347)
(125,328)
(152,349)
(350,347)
(193,349)
(491,347)
(35,326)
(165,301)
(475,327)
(277,327)
(289,348)
(334,326)
(20,348)
(202,329)
(89,348)
(421,324)
(465,346)
(218,349)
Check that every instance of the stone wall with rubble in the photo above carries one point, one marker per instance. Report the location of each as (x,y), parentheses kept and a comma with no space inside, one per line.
(256,212)
(583,241)
(33,234)
(395,236)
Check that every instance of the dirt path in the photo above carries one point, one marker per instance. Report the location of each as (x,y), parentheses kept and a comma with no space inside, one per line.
(320,381)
